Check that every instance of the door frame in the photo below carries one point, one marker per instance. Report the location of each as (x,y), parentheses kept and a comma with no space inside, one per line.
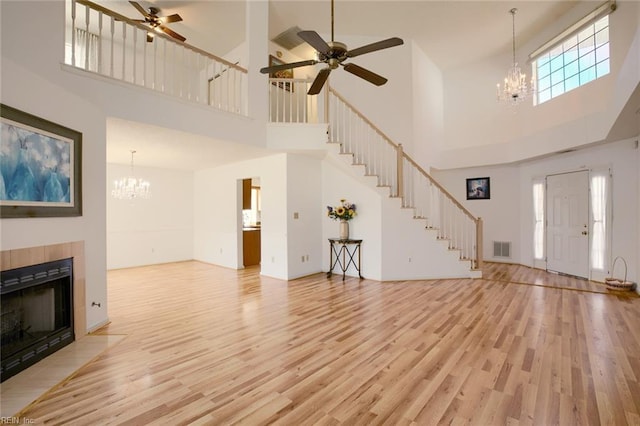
(588,223)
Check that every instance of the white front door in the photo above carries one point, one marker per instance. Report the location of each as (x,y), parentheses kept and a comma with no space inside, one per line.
(568,223)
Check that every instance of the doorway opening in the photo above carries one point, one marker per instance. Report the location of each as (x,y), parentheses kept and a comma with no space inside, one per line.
(251,221)
(572,223)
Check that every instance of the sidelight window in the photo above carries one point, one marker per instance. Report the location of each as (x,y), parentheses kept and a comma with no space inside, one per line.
(600,220)
(538,220)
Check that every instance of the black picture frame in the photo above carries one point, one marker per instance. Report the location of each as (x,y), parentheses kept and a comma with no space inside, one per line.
(478,188)
(41,167)
(273,61)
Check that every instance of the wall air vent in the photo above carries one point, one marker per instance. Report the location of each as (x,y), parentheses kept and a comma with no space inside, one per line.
(289,38)
(502,249)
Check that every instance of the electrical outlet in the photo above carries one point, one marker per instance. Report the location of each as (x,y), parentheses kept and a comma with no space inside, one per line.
(307,258)
(302,259)
(409,260)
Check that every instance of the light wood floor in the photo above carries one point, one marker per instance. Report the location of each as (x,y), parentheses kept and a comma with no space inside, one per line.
(207,345)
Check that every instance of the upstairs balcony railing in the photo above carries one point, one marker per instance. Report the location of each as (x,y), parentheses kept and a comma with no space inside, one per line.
(289,103)
(101,41)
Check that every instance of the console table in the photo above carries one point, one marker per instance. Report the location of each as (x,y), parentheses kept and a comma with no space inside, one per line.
(344,252)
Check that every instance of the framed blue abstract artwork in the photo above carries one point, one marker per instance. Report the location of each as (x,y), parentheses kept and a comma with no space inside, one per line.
(40,167)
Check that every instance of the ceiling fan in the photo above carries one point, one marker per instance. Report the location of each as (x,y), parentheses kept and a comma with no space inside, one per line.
(334,54)
(156,22)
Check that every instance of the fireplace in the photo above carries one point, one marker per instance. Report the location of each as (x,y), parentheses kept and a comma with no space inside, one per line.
(36,313)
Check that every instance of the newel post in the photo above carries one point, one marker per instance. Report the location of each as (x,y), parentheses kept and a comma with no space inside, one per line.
(400,182)
(479,243)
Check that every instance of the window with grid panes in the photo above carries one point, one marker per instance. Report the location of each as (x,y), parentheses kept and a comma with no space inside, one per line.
(577,60)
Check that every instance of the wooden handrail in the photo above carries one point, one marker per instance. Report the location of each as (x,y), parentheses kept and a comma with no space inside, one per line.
(440,187)
(365,119)
(404,154)
(119,17)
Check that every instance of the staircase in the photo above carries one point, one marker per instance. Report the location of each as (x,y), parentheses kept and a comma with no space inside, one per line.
(448,236)
(445,229)
(445,222)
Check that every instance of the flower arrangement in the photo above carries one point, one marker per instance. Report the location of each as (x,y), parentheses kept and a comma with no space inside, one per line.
(345,211)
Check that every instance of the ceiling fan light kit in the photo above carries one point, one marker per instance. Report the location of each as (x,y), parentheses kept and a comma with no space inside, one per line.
(334,53)
(157,23)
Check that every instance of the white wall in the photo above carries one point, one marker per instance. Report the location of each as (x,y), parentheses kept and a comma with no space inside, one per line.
(304,235)
(42,91)
(157,230)
(289,183)
(500,214)
(217,214)
(338,184)
(395,246)
(508,215)
(428,108)
(379,103)
(33,80)
(478,130)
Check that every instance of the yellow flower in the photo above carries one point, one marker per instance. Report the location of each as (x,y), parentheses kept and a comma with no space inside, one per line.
(340,211)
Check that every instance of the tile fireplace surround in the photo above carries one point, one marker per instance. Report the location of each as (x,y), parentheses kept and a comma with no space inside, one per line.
(11,259)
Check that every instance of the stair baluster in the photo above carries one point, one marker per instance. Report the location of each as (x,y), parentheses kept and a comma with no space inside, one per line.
(406,179)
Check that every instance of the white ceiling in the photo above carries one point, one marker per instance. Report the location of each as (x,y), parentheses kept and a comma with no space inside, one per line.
(451,32)
(171,149)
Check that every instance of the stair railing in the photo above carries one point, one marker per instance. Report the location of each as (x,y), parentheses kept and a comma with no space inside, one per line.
(289,103)
(101,41)
(385,159)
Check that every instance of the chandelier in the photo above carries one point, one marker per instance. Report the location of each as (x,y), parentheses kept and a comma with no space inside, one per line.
(515,89)
(130,187)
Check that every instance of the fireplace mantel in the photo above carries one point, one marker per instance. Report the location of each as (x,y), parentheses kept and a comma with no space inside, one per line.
(18,258)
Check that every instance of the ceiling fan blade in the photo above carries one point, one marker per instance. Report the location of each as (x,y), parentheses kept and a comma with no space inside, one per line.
(139,8)
(171,18)
(384,44)
(364,73)
(170,32)
(314,39)
(276,68)
(319,81)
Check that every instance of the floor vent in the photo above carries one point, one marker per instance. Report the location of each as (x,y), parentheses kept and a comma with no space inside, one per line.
(502,249)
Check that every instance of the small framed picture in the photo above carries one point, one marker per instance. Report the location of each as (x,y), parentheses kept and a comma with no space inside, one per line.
(478,189)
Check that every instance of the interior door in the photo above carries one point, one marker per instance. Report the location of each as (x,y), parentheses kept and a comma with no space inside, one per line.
(568,223)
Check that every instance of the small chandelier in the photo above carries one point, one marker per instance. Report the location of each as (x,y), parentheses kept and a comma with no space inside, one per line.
(130,187)
(515,89)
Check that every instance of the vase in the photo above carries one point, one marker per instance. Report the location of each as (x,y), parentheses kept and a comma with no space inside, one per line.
(344,230)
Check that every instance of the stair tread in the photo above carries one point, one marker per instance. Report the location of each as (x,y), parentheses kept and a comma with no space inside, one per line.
(368,173)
